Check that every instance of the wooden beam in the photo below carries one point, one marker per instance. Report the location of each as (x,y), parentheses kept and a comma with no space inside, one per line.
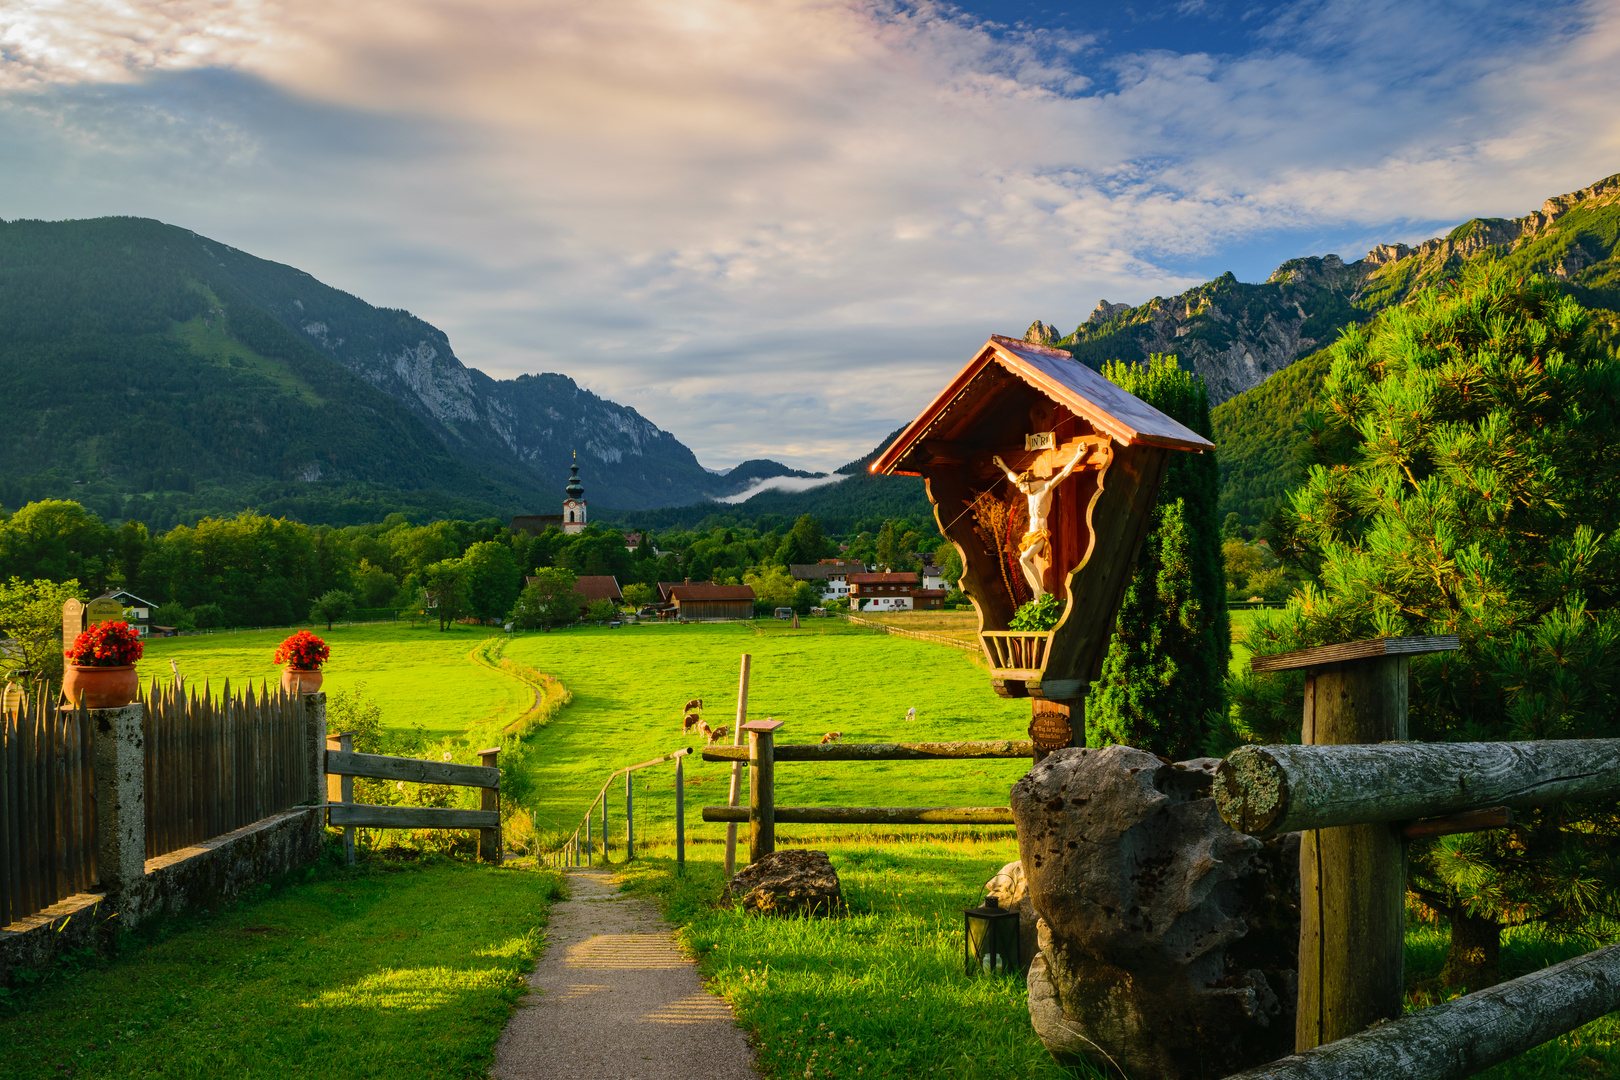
(1356,650)
(1266,790)
(414,770)
(411,817)
(1497,817)
(871,815)
(1467,1035)
(996,748)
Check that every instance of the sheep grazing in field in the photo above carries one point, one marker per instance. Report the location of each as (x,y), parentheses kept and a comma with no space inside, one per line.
(690,721)
(695,703)
(911,713)
(714,735)
(832,736)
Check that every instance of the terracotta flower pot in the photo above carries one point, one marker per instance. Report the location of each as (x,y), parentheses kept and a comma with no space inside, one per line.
(301,680)
(102,687)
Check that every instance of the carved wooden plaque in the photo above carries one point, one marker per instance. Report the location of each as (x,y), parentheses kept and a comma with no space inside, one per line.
(72,621)
(1050,730)
(103,609)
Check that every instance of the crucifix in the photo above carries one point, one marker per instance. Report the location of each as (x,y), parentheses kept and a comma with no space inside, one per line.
(1037,542)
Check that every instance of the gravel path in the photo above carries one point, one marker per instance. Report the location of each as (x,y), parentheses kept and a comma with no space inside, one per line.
(613,999)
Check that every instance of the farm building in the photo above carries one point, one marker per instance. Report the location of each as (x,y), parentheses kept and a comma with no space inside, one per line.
(888,591)
(712,601)
(137,612)
(594,587)
(928,599)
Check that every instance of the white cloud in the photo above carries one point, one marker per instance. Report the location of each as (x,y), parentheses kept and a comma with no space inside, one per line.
(775,229)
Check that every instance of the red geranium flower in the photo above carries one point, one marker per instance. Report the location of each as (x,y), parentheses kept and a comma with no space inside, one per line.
(108,644)
(303,650)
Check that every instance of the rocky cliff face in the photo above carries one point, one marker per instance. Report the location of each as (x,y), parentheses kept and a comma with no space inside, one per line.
(526,428)
(1236,335)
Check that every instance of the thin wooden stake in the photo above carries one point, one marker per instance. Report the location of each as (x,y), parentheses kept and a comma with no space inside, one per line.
(737,767)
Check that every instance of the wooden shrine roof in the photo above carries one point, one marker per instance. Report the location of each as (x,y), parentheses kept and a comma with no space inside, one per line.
(1053,372)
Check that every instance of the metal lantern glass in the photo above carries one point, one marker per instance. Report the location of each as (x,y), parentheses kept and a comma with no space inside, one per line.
(990,939)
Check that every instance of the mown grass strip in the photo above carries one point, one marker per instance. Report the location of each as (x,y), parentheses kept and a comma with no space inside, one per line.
(388,970)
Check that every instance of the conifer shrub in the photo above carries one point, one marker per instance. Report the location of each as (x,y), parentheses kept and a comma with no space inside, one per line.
(1467,482)
(1164,675)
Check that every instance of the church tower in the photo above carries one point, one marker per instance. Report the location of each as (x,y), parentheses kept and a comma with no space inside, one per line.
(574,506)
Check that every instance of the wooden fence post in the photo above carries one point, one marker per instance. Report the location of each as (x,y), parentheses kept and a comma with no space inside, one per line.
(629,816)
(761,788)
(1352,928)
(680,818)
(736,766)
(588,850)
(489,840)
(604,825)
(120,803)
(341,788)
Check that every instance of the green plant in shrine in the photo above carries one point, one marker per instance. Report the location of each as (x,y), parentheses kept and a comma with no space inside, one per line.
(1467,482)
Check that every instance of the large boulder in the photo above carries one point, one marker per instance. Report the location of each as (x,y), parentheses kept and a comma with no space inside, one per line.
(1168,941)
(1012,893)
(787,883)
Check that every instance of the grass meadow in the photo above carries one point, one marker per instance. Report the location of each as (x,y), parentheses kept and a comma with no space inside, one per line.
(873,992)
(391,969)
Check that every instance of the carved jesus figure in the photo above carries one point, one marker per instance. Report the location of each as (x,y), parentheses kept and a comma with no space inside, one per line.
(1037,542)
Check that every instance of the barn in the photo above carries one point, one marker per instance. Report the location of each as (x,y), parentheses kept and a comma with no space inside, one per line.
(712,601)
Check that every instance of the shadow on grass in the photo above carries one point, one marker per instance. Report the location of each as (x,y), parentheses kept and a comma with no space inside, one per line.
(393,968)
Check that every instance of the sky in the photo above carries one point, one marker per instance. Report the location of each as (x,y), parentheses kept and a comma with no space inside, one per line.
(777,229)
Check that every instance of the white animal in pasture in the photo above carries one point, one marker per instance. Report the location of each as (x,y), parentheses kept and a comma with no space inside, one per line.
(911,713)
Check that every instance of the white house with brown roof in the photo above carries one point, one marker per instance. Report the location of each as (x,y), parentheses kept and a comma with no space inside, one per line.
(888,591)
(831,574)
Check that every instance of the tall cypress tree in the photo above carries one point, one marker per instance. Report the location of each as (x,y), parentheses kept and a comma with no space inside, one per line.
(1166,666)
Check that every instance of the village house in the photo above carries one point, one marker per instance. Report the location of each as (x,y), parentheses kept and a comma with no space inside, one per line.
(831,574)
(933,577)
(137,612)
(705,601)
(888,591)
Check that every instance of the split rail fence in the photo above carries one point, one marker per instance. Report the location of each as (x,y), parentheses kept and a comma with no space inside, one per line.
(1357,791)
(762,814)
(579,849)
(343,764)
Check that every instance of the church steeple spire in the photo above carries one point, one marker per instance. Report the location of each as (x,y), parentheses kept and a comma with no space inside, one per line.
(574,505)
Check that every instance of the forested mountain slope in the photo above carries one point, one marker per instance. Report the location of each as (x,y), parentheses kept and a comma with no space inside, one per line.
(1261,348)
(140,360)
(1236,335)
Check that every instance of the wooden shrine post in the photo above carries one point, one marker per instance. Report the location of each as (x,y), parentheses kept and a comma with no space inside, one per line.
(1352,927)
(1044,475)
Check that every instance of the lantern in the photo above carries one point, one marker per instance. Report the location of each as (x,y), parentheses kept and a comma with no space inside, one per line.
(990,939)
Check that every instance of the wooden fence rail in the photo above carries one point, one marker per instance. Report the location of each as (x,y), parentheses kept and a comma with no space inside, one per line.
(1469,1034)
(1266,790)
(343,765)
(762,814)
(216,765)
(47,805)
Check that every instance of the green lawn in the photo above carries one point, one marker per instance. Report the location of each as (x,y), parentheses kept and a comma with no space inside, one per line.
(629,685)
(390,970)
(418,675)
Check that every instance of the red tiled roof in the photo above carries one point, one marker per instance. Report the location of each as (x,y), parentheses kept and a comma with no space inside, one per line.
(883,579)
(599,587)
(711,592)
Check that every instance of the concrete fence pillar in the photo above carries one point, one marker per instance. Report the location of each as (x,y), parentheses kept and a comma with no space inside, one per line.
(315,748)
(120,754)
